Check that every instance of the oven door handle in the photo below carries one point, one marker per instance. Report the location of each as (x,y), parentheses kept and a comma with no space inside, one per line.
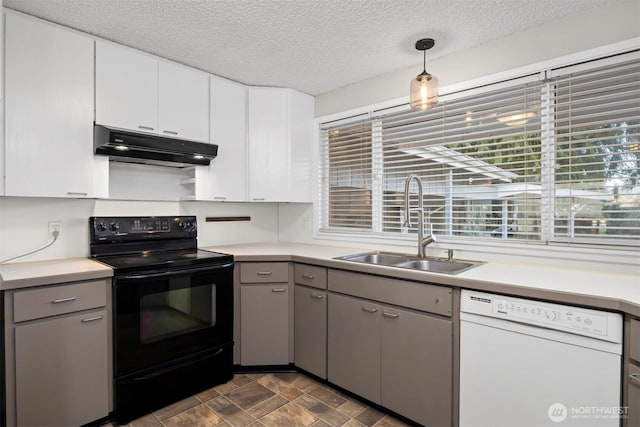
(171,273)
(178,365)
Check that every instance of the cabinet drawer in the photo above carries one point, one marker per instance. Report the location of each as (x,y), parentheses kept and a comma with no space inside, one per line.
(634,340)
(419,296)
(311,275)
(51,301)
(264,272)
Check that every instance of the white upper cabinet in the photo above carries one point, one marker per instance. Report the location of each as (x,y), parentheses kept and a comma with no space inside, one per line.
(49,110)
(229,131)
(126,88)
(280,141)
(183,102)
(136,91)
(268,144)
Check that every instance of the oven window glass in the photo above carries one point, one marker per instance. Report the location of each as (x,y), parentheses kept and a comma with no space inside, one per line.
(179,310)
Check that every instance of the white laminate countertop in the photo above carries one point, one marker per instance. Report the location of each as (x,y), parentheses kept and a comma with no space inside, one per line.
(620,292)
(37,273)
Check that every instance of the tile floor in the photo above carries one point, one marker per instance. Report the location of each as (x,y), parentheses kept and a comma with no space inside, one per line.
(280,399)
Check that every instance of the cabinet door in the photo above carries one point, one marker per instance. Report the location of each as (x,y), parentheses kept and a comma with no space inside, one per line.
(183,102)
(49,110)
(269,156)
(126,88)
(302,108)
(310,330)
(416,366)
(633,399)
(229,131)
(264,323)
(68,384)
(353,355)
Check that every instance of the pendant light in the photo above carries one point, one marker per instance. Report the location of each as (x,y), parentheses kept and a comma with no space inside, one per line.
(424,87)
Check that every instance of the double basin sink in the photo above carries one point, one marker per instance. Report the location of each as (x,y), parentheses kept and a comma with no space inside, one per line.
(430,264)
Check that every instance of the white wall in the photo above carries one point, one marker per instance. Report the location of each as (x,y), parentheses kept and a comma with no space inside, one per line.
(618,21)
(24,223)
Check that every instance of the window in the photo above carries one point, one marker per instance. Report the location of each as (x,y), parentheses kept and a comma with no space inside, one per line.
(546,158)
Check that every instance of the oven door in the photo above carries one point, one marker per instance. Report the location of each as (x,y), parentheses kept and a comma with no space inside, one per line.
(163,316)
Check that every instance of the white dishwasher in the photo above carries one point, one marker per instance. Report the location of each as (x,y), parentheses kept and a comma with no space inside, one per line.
(531,363)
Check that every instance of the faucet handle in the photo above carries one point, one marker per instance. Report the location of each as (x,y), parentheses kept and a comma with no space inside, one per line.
(450,255)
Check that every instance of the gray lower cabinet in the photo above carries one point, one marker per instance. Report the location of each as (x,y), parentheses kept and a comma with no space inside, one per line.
(632,380)
(61,370)
(58,354)
(264,324)
(310,329)
(416,365)
(398,357)
(354,345)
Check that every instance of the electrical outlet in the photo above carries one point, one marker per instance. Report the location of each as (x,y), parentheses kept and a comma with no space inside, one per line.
(55,226)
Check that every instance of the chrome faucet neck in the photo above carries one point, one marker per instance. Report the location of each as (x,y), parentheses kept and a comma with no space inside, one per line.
(423,240)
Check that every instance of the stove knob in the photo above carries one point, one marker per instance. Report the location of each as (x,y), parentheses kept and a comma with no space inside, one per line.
(114,226)
(101,227)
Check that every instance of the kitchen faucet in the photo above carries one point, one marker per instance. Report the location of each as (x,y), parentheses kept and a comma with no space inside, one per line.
(423,240)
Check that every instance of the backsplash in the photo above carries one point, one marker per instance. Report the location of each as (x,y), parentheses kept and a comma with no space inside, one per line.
(24,223)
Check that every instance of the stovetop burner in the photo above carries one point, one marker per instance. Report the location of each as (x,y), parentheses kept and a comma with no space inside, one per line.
(163,260)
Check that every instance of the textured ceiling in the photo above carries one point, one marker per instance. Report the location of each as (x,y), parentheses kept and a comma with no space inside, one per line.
(314,46)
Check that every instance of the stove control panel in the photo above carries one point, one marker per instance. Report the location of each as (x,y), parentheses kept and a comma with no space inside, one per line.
(127,229)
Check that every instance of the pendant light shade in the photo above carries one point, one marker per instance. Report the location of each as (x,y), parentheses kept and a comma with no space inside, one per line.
(424,87)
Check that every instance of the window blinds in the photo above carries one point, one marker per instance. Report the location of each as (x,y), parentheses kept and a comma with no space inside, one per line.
(535,159)
(346,176)
(479,161)
(596,119)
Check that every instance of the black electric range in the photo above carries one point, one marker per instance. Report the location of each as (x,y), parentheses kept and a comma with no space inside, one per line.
(172,311)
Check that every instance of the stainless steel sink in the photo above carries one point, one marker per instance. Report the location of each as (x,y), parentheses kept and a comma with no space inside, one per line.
(432,264)
(438,265)
(378,258)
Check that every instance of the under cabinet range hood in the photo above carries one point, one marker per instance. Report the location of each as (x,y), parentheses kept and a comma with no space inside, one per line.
(122,145)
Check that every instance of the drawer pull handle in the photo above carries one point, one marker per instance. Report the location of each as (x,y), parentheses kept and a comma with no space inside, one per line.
(308,276)
(258,199)
(369,309)
(390,315)
(77,193)
(278,290)
(264,273)
(145,127)
(170,132)
(58,301)
(92,319)
(316,296)
(635,377)
(219,198)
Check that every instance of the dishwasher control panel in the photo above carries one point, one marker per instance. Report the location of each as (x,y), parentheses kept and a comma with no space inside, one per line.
(544,314)
(582,321)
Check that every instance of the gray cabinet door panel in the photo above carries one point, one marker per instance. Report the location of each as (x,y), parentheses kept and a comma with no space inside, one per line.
(310,326)
(633,397)
(62,373)
(354,345)
(417,366)
(264,324)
